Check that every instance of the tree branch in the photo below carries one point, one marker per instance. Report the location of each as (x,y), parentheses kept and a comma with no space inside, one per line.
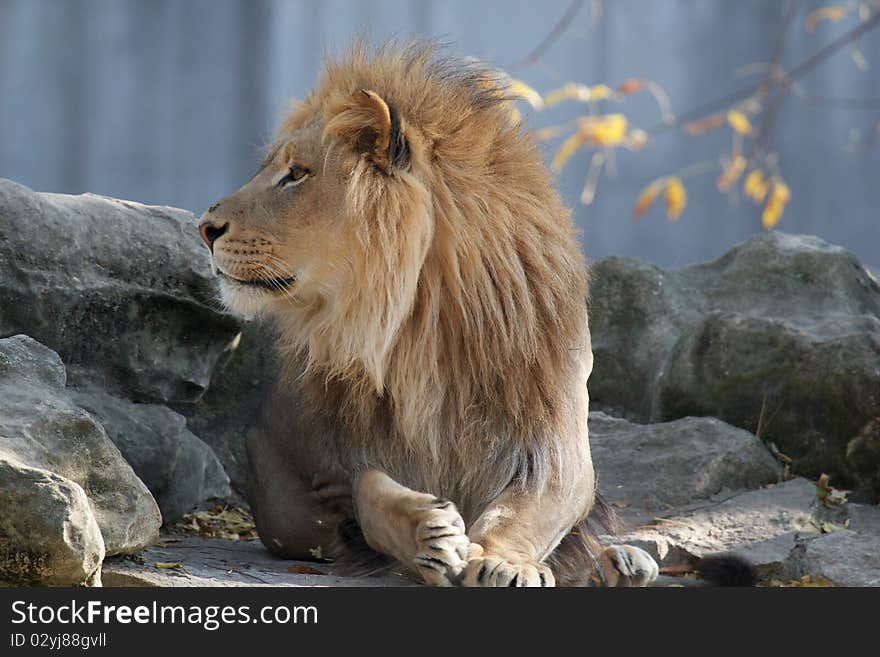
(553,35)
(798,71)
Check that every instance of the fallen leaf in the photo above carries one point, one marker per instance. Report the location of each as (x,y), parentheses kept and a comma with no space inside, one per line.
(677,570)
(827,494)
(298,569)
(807,581)
(220,521)
(167,565)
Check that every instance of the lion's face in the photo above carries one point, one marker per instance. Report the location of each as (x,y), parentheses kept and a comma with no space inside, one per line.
(281,238)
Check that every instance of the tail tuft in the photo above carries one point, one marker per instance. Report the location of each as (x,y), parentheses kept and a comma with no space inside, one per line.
(726,570)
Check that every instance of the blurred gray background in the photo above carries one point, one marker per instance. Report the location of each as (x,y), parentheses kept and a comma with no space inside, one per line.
(170,101)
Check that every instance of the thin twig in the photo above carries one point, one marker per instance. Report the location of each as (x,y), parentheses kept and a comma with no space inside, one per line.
(552,36)
(798,71)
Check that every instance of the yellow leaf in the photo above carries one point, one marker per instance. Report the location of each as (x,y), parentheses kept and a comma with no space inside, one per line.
(600,92)
(772,214)
(570,91)
(833,13)
(521,90)
(568,148)
(781,192)
(646,199)
(731,173)
(739,122)
(167,564)
(755,186)
(676,198)
(779,197)
(606,130)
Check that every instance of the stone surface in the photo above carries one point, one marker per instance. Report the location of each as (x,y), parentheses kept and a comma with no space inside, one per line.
(48,533)
(42,428)
(763,526)
(180,470)
(849,557)
(211,562)
(230,407)
(658,466)
(781,336)
(122,291)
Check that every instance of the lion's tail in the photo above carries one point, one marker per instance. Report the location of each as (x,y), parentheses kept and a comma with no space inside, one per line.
(574,562)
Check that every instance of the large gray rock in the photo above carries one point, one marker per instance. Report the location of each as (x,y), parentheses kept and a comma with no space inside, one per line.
(658,466)
(764,526)
(122,291)
(42,428)
(846,558)
(780,336)
(48,533)
(180,470)
(230,407)
(212,562)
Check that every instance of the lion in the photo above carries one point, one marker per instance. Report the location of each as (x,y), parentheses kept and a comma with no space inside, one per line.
(404,236)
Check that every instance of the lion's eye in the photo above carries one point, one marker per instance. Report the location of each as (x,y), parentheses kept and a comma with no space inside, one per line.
(294,176)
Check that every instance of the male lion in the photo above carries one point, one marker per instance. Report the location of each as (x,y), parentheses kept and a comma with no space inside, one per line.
(430,300)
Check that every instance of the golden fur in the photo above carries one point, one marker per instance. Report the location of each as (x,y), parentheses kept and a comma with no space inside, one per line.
(438,312)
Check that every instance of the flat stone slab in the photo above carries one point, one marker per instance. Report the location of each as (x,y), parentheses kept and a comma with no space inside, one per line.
(214,562)
(764,526)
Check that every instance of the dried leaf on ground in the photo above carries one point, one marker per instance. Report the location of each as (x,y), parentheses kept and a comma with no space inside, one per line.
(299,569)
(807,581)
(827,494)
(220,521)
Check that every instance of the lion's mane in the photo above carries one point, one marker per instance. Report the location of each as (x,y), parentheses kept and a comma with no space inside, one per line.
(452,361)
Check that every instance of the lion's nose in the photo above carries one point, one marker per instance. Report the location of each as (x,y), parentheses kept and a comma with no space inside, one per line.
(211,233)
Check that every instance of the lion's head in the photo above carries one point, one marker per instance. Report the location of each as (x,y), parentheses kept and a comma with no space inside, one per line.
(404,231)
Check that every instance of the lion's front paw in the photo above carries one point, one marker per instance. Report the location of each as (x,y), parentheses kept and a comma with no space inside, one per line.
(490,570)
(441,543)
(627,565)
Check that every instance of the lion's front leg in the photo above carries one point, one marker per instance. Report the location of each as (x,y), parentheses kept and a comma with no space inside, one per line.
(423,532)
(518,531)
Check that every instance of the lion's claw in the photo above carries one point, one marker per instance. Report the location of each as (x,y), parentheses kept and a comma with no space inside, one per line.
(442,545)
(627,565)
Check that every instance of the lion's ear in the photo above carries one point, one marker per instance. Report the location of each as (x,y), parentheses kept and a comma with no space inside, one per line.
(372,128)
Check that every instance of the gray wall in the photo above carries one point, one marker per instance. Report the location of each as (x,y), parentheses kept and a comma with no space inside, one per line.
(169,101)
